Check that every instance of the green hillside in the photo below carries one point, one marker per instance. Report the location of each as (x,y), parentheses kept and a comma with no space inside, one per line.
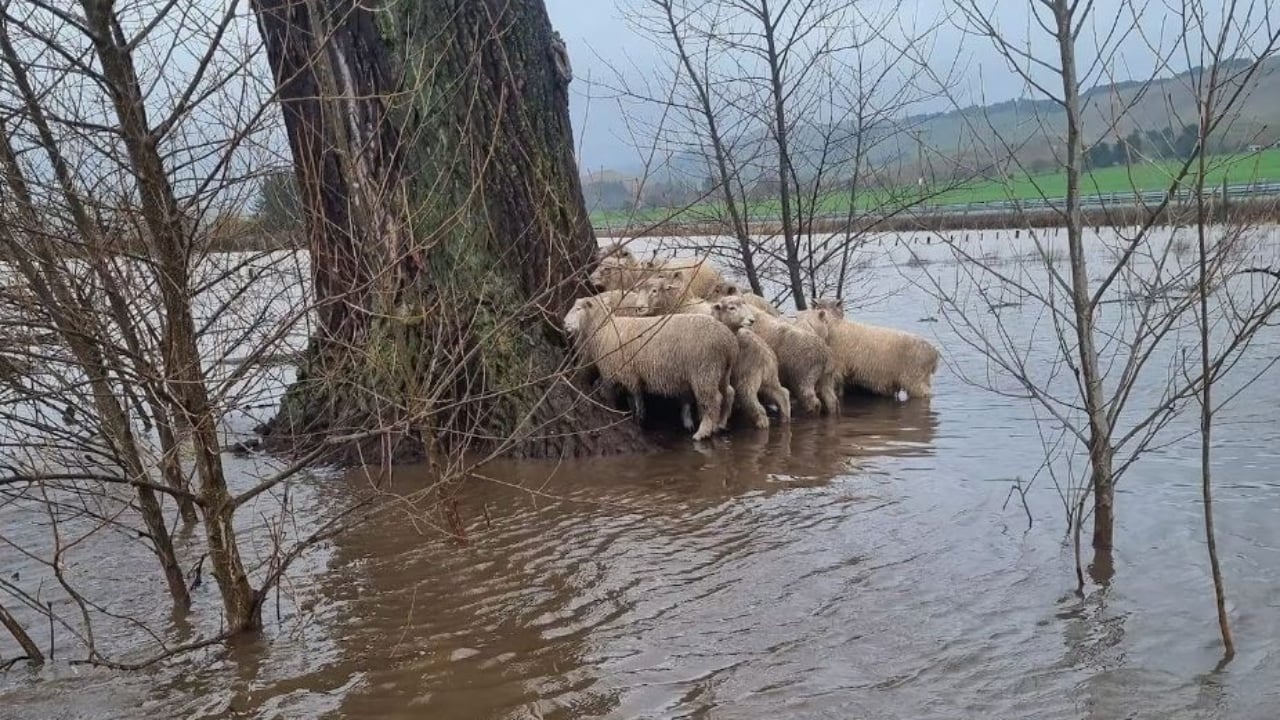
(1263,167)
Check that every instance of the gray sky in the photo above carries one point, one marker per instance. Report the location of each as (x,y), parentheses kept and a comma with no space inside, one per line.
(597,35)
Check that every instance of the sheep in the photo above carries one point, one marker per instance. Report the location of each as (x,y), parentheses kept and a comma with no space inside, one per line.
(727,288)
(698,276)
(615,251)
(630,302)
(881,360)
(805,364)
(614,273)
(835,307)
(674,356)
(755,374)
(668,298)
(814,321)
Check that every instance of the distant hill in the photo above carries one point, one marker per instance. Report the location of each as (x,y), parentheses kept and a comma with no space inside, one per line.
(970,139)
(1112,111)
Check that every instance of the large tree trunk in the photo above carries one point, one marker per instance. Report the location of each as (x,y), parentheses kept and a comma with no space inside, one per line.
(446,225)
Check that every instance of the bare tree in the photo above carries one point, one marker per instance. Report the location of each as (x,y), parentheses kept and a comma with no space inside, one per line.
(1234,301)
(1117,318)
(794,113)
(129,140)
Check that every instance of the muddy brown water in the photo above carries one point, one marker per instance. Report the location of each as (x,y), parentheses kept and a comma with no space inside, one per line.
(860,566)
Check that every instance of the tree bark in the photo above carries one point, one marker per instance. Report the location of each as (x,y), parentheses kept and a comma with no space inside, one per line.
(446,225)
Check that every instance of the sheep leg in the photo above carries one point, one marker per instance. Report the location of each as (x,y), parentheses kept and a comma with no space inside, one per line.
(921,388)
(827,392)
(709,400)
(753,409)
(726,406)
(727,393)
(686,415)
(637,405)
(778,395)
(609,394)
(809,401)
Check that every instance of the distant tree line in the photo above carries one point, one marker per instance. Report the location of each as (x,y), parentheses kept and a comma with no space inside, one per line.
(609,194)
(278,206)
(1138,145)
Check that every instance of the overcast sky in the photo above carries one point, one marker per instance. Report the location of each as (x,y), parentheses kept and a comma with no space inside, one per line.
(597,36)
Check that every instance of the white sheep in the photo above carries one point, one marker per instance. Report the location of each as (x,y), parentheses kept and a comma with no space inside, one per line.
(670,298)
(881,360)
(697,275)
(755,374)
(755,301)
(813,321)
(614,250)
(630,302)
(805,363)
(618,273)
(677,356)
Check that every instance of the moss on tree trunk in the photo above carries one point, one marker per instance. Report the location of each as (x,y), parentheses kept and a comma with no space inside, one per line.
(446,226)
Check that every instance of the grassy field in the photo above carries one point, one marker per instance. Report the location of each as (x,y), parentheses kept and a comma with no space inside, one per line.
(1235,169)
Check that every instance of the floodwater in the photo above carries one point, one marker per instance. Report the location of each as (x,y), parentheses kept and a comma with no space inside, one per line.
(871,565)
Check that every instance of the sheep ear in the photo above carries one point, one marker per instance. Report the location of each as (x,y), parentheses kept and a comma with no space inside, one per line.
(730,289)
(717,306)
(677,274)
(822,314)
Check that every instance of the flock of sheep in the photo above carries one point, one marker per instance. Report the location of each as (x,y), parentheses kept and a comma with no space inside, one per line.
(678,329)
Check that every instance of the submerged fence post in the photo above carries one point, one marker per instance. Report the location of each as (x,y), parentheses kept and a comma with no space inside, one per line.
(1225,208)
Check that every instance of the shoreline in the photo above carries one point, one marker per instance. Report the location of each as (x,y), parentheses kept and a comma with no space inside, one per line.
(1254,211)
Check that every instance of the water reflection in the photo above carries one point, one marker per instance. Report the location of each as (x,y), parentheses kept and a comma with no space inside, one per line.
(550,608)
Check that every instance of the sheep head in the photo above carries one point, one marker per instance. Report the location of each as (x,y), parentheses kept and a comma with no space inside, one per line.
(665,296)
(582,307)
(651,298)
(609,274)
(734,313)
(722,289)
(832,306)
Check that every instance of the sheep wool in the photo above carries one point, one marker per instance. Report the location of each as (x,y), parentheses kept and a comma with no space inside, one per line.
(760,304)
(677,356)
(882,360)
